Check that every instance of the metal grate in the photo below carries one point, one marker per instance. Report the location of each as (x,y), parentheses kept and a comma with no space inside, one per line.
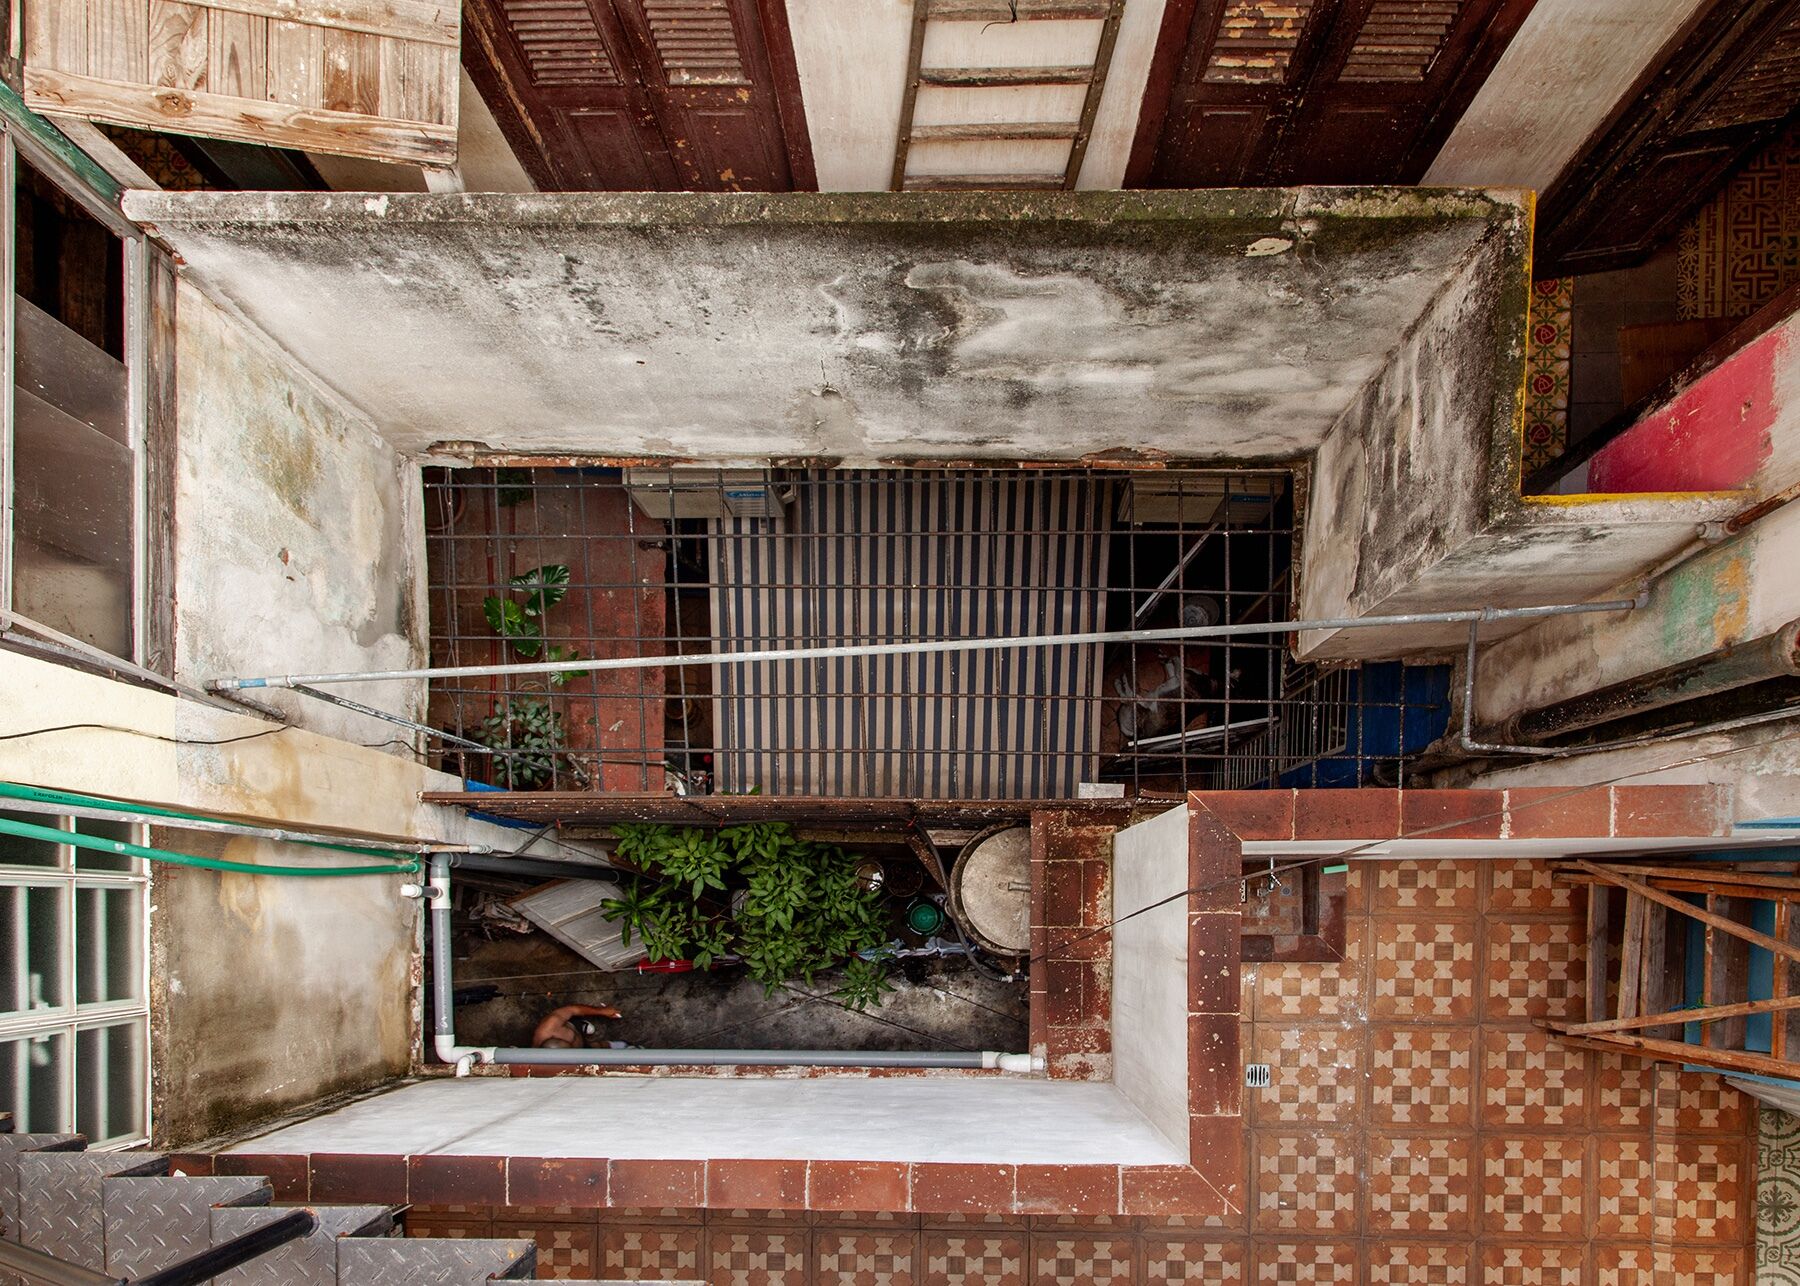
(666,562)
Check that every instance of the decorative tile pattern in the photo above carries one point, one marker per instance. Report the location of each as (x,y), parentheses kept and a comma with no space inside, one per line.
(1743,247)
(1530,1080)
(1419,1264)
(1624,1188)
(1698,1103)
(758,1257)
(1702,1186)
(1193,1261)
(650,1253)
(1420,1184)
(1424,970)
(1426,886)
(975,1260)
(864,1258)
(1535,969)
(1079,1261)
(1547,370)
(1624,1092)
(1777,1198)
(1314,1072)
(1528,1265)
(1306,1182)
(1422,1076)
(565,1251)
(1308,991)
(1532,1187)
(1309,1263)
(1527,885)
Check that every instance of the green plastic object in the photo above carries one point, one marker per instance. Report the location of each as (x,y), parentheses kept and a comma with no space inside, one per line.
(925,918)
(51,835)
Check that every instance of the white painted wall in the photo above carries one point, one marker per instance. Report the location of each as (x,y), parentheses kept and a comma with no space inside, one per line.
(1562,75)
(992,1120)
(1150,973)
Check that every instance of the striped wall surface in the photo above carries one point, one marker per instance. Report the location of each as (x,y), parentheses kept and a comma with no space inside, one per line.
(887,556)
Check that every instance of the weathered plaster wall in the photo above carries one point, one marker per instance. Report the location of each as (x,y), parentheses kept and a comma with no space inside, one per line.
(266,993)
(298,540)
(1229,325)
(1415,502)
(1150,972)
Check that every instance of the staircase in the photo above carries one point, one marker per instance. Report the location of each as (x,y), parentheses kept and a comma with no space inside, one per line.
(128,1218)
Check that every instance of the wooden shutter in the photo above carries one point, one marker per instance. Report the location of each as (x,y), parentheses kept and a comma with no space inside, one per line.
(1319,91)
(374,78)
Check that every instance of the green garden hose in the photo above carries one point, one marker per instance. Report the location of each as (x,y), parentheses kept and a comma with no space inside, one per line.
(50,835)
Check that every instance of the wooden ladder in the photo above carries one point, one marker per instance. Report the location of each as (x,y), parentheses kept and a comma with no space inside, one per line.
(986,12)
(1651,920)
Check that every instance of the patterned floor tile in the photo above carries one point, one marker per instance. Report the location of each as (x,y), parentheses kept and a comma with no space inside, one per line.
(1535,969)
(1526,1265)
(1420,1264)
(1306,1182)
(1695,1267)
(975,1259)
(1310,1263)
(1624,1092)
(864,1258)
(1421,1076)
(1777,1198)
(1527,885)
(1702,1189)
(1624,1187)
(1313,992)
(461,1229)
(1420,1185)
(1079,1261)
(650,1253)
(565,1250)
(1438,887)
(1424,970)
(1193,1261)
(1315,1074)
(1532,1186)
(1699,1103)
(758,1256)
(1530,1080)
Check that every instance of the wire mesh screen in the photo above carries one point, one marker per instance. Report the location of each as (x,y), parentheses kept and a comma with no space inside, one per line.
(562,565)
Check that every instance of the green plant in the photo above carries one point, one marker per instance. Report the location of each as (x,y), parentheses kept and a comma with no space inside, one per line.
(521,622)
(531,733)
(512,487)
(782,906)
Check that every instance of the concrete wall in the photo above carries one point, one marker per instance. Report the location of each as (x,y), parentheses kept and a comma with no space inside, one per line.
(298,536)
(1150,972)
(266,993)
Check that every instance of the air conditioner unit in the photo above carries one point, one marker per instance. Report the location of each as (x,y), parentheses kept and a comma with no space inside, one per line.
(1195,499)
(706,493)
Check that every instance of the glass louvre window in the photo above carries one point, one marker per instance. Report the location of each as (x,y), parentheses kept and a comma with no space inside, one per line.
(74,996)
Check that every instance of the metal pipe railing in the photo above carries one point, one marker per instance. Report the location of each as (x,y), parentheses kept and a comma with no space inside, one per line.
(1473,616)
(37,1266)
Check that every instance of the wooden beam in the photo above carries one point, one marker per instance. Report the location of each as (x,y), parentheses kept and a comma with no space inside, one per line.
(1708,1014)
(995,77)
(1786,950)
(996,130)
(981,182)
(1675,1051)
(1631,956)
(1090,105)
(1599,923)
(915,51)
(1703,875)
(1778,986)
(87,136)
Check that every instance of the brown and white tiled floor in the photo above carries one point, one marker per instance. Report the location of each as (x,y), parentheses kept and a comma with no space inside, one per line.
(1419,1128)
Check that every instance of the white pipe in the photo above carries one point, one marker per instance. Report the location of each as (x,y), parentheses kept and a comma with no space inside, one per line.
(1177,634)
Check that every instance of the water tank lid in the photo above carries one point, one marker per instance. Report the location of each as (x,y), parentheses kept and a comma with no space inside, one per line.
(993,890)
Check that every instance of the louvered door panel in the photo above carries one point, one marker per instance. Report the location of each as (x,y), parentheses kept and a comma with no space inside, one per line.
(1340,91)
(374,78)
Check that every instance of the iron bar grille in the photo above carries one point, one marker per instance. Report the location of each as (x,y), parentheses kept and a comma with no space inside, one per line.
(667,562)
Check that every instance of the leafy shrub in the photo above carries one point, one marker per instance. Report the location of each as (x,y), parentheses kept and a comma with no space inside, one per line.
(532,733)
(522,622)
(786,907)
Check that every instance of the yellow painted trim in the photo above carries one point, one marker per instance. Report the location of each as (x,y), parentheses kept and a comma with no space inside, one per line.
(1524,398)
(1598,497)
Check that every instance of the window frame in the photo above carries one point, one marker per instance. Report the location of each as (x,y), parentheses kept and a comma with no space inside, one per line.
(14,145)
(70,1018)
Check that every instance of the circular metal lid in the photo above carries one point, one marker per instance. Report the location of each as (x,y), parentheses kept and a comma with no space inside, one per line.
(993,890)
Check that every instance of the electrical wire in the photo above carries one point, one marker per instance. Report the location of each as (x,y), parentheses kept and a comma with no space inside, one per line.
(153,736)
(1423,831)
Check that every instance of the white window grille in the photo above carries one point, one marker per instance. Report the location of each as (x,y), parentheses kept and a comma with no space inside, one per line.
(74,983)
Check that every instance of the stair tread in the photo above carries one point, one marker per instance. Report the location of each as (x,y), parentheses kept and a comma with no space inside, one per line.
(152,1223)
(61,1199)
(433,1261)
(311,1260)
(996,77)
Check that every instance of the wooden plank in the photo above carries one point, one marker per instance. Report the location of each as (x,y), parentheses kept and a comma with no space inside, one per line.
(403,19)
(1704,875)
(1599,925)
(350,80)
(995,77)
(1677,1017)
(296,64)
(982,182)
(1772,893)
(1631,956)
(909,98)
(179,37)
(1655,996)
(1675,1051)
(418,82)
(1704,915)
(1019,11)
(56,36)
(238,55)
(86,135)
(219,116)
(1778,986)
(997,130)
(1731,972)
(118,40)
(1090,106)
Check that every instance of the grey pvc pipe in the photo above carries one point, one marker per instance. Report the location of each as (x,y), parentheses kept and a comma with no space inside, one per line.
(505,864)
(1474,615)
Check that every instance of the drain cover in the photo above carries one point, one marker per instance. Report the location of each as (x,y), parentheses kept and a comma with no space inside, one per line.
(1256,1076)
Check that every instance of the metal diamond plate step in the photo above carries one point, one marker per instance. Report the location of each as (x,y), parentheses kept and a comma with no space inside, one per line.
(432,1261)
(59,1199)
(152,1223)
(311,1261)
(12,1147)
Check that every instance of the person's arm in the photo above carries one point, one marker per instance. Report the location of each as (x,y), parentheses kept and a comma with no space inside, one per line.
(555,1025)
